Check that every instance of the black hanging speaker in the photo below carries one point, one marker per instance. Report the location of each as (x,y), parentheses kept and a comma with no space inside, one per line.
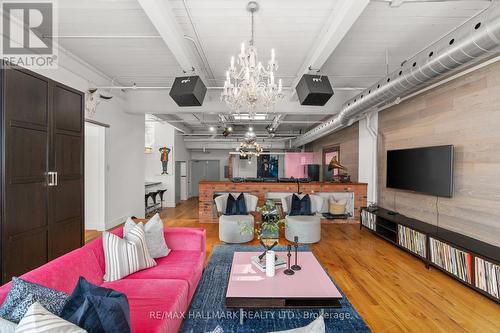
(313,172)
(314,90)
(188,91)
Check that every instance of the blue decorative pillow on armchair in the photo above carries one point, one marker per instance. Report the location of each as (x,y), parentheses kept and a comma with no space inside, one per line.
(97,309)
(236,206)
(300,206)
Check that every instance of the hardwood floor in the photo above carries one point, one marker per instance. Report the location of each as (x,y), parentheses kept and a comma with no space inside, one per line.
(391,290)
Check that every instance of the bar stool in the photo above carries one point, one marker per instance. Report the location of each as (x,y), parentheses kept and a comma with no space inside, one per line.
(161,193)
(146,204)
(156,206)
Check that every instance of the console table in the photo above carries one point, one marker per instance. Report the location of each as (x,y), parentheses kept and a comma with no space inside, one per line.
(207,190)
(470,261)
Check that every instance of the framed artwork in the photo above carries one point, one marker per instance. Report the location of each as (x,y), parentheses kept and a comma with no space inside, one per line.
(267,166)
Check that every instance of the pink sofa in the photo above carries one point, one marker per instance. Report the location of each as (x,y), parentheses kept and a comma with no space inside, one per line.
(158,296)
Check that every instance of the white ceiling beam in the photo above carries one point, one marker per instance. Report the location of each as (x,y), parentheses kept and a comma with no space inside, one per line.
(173,122)
(340,21)
(162,17)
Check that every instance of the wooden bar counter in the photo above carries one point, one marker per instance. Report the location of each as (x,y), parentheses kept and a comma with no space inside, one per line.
(207,189)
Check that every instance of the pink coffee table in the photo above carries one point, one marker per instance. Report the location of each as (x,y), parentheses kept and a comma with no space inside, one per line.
(310,287)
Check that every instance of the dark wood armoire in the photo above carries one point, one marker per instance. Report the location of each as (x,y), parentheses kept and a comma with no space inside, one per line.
(41,151)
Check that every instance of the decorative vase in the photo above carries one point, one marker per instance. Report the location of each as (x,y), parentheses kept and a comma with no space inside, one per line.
(270,263)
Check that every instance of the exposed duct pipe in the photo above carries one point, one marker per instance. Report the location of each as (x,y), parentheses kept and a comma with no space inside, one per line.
(472,41)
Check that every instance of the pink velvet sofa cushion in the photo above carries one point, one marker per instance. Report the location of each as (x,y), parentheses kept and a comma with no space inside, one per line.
(155,305)
(178,265)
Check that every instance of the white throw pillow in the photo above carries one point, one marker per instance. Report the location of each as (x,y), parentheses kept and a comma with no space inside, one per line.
(317,326)
(39,320)
(155,239)
(7,326)
(125,256)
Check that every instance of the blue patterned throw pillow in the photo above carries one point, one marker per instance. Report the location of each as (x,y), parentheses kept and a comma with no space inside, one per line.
(23,294)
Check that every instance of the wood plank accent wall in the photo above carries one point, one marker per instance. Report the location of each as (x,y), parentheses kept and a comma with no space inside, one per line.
(207,189)
(466,113)
(348,140)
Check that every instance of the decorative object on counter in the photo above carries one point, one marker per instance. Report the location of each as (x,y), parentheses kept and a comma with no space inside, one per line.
(335,165)
(270,263)
(289,271)
(296,267)
(164,158)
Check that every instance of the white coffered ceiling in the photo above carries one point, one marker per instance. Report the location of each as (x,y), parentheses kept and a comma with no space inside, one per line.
(127,40)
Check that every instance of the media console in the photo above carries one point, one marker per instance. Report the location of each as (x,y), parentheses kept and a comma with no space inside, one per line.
(470,261)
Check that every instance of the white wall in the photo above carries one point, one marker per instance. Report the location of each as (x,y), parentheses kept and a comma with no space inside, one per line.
(367,166)
(124,140)
(95,182)
(164,134)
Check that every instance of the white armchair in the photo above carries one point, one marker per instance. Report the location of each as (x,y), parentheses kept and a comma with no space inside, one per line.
(229,225)
(306,228)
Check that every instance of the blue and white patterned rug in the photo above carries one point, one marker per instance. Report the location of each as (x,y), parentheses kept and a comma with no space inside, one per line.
(208,312)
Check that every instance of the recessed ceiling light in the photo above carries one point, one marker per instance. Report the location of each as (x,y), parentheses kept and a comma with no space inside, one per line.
(211,128)
(250,129)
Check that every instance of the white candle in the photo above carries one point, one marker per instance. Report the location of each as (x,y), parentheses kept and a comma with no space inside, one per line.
(280,86)
(272,55)
(232,62)
(272,78)
(228,78)
(242,49)
(270,263)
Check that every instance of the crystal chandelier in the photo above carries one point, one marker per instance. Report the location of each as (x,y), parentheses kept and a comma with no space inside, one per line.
(249,82)
(249,148)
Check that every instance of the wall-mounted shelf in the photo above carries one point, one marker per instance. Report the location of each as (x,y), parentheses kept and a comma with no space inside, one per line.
(470,261)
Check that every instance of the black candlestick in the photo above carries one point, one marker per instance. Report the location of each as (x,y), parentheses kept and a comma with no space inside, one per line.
(289,271)
(296,245)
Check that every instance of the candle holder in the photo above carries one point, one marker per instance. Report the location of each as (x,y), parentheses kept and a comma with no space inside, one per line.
(289,271)
(296,267)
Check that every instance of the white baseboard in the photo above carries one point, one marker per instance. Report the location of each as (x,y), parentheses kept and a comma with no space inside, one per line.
(170,204)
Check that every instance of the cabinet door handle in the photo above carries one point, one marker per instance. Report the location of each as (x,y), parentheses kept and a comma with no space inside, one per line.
(52,178)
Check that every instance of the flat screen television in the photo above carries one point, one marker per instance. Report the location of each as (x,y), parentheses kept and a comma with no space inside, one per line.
(426,170)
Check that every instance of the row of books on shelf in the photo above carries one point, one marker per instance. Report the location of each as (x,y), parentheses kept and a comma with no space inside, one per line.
(487,276)
(457,262)
(412,240)
(368,219)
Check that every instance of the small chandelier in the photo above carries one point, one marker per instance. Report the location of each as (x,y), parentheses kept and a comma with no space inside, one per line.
(249,148)
(248,82)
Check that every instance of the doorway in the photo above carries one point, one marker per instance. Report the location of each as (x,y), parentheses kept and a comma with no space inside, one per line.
(95,182)
(203,170)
